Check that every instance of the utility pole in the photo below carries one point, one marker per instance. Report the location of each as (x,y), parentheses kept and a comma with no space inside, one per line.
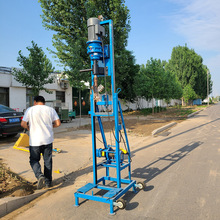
(208,86)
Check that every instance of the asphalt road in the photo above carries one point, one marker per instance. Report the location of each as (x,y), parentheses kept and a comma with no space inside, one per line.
(181,170)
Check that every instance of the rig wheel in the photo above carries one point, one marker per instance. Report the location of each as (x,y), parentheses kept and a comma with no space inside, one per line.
(121,204)
(141,185)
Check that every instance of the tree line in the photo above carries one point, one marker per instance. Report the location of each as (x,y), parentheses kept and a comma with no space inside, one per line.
(183,76)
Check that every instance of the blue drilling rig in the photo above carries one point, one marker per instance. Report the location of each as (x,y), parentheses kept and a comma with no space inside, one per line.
(114,156)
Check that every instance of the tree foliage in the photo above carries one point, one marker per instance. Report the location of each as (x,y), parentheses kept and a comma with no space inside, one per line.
(153,81)
(125,63)
(188,67)
(36,69)
(68,20)
(147,80)
(189,93)
(171,88)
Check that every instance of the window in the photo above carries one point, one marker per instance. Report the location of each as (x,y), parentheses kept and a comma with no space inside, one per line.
(4,96)
(60,96)
(29,98)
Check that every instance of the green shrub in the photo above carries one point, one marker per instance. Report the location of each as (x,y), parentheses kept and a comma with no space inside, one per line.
(147,111)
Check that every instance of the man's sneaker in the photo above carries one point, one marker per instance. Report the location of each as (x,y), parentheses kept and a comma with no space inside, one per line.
(48,185)
(41,182)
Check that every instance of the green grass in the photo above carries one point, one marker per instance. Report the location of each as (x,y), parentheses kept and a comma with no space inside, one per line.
(174,111)
(184,112)
(147,111)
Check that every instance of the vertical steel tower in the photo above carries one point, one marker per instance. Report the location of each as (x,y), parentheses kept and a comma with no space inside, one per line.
(114,156)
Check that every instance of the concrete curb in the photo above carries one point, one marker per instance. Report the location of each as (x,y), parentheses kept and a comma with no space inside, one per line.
(158,130)
(194,113)
(10,204)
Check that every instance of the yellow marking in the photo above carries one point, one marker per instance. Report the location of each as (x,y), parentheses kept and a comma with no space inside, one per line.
(23,141)
(123,150)
(57,171)
(22,149)
(103,153)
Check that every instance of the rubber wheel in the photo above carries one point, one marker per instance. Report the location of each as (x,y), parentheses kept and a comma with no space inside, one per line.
(121,203)
(141,185)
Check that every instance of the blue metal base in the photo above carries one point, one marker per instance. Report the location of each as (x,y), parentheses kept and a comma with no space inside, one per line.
(113,194)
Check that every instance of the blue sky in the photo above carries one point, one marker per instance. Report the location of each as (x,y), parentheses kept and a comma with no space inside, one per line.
(156,27)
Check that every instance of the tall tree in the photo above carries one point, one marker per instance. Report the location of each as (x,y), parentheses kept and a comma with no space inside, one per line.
(189,94)
(188,66)
(202,84)
(171,88)
(68,20)
(148,81)
(36,69)
(153,81)
(125,63)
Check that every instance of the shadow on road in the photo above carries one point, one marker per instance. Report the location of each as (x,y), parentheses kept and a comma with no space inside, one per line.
(155,168)
(145,173)
(176,135)
(151,173)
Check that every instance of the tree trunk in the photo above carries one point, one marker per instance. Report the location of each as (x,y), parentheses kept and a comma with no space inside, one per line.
(152,105)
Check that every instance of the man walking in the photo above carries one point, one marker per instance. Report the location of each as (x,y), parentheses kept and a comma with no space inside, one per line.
(40,121)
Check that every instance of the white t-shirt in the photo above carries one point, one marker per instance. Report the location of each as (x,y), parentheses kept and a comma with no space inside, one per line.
(40,118)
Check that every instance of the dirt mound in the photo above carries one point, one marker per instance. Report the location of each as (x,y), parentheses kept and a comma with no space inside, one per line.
(13,185)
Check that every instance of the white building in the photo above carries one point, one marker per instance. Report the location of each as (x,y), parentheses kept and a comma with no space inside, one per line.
(143,103)
(18,97)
